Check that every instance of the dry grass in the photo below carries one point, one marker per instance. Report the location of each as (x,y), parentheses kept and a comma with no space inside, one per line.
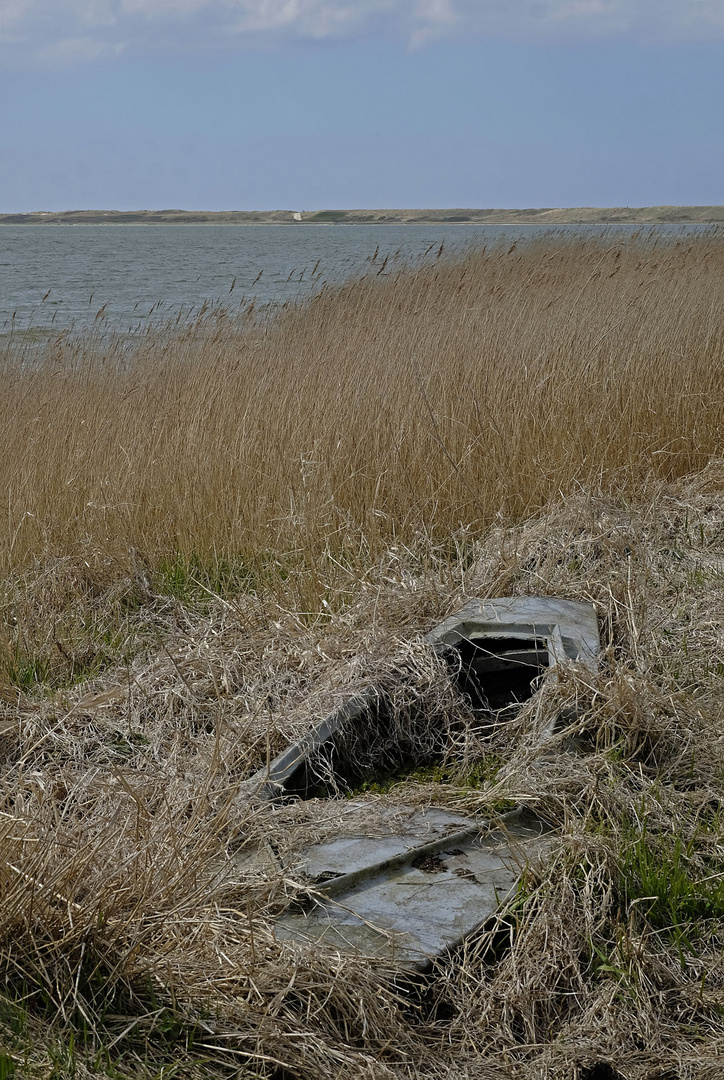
(129,913)
(136,939)
(431,399)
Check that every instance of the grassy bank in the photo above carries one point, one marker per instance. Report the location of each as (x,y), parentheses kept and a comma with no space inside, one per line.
(215,535)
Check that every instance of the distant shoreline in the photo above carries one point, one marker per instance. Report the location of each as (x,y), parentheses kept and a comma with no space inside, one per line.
(647,215)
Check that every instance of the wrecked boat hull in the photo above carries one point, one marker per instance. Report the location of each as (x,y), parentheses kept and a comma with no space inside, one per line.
(423,886)
(409,907)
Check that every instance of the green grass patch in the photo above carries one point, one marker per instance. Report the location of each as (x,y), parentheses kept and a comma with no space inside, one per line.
(466,778)
(195,580)
(664,884)
(115,1031)
(67,659)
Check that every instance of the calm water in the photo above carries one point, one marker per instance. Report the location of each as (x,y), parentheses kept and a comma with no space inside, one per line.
(53,277)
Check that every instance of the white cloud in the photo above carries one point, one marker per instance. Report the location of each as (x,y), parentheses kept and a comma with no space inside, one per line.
(88,29)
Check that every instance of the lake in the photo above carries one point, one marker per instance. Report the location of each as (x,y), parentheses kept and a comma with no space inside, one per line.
(56,277)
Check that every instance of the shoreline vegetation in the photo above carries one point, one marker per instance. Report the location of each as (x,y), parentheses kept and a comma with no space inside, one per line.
(647,215)
(216,532)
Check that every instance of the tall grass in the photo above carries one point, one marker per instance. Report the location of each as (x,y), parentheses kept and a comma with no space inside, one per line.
(429,397)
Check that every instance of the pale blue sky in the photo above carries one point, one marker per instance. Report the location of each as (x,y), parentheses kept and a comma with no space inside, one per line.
(303,104)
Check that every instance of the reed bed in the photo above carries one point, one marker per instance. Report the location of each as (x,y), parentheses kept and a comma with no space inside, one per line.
(219,532)
(435,398)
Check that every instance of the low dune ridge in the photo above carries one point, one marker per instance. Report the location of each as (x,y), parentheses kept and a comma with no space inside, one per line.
(586,215)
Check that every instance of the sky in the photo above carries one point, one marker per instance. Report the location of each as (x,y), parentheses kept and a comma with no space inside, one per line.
(311,104)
